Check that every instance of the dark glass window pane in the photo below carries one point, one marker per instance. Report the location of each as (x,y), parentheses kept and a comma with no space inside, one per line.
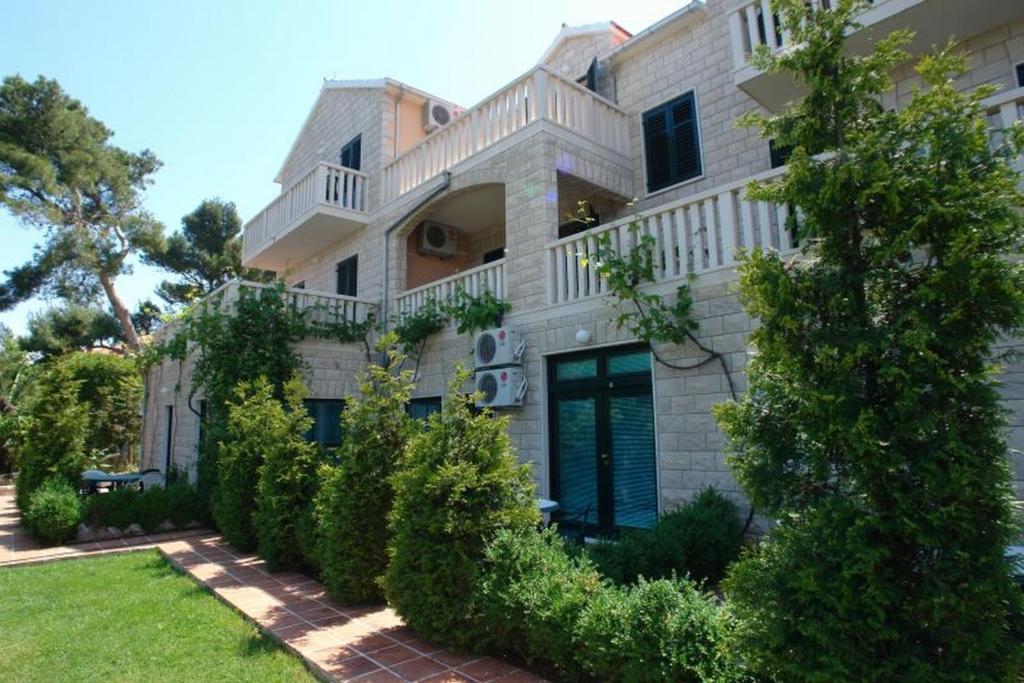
(422,408)
(583,368)
(633,471)
(352,153)
(348,276)
(629,363)
(577,459)
(326,414)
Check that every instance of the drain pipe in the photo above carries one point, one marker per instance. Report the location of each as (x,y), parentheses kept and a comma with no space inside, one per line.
(446,183)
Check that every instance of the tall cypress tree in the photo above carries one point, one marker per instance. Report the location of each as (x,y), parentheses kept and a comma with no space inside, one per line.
(872,428)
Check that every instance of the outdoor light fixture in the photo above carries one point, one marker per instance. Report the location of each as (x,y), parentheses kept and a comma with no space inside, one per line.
(582,337)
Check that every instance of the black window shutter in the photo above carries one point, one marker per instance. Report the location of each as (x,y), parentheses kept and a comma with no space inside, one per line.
(348,276)
(685,143)
(592,76)
(1020,75)
(672,143)
(656,144)
(352,153)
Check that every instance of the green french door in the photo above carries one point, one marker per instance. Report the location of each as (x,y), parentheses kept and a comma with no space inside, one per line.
(601,414)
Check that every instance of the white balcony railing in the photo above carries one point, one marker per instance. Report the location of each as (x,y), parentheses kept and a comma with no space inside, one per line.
(317,307)
(755,24)
(488,277)
(541,94)
(692,235)
(326,185)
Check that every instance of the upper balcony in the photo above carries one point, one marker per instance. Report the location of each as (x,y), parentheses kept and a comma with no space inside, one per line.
(540,95)
(326,204)
(933,21)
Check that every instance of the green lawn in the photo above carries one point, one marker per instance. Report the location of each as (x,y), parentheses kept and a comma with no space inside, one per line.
(127,617)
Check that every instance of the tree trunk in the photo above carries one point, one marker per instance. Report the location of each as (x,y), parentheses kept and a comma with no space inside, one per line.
(120,311)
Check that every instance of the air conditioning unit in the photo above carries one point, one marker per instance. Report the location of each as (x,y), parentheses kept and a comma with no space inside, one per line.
(500,388)
(500,346)
(438,240)
(436,115)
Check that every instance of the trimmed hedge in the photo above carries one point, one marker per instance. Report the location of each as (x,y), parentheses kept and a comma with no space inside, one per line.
(460,483)
(698,540)
(54,511)
(287,481)
(178,504)
(556,611)
(353,505)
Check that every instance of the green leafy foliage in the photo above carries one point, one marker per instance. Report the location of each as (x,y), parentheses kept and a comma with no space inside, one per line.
(475,313)
(54,511)
(697,540)
(178,504)
(249,435)
(459,484)
(354,503)
(531,595)
(56,429)
(250,337)
(60,173)
(206,253)
(110,388)
(872,428)
(661,630)
(413,329)
(556,610)
(287,481)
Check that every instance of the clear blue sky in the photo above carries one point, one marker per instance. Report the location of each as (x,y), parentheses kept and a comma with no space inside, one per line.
(218,90)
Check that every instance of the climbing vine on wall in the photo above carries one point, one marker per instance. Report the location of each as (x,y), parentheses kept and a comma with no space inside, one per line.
(646,315)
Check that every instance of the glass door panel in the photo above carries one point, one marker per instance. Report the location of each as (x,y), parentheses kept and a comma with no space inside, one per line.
(634,478)
(577,458)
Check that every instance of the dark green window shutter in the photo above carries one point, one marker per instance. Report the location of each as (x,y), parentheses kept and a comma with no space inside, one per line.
(352,153)
(348,276)
(672,143)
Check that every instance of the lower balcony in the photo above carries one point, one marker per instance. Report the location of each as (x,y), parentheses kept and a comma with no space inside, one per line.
(488,277)
(325,205)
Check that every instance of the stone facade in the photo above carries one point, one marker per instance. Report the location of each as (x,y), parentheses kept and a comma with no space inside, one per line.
(544,170)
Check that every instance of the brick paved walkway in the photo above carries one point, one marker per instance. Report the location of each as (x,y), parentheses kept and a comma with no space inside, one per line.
(17,546)
(337,642)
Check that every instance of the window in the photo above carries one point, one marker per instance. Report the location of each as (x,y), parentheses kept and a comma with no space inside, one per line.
(326,414)
(169,443)
(778,154)
(422,408)
(299,285)
(1020,75)
(672,143)
(494,255)
(348,272)
(589,81)
(352,153)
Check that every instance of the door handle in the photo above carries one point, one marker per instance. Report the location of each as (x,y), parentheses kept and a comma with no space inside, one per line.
(605,458)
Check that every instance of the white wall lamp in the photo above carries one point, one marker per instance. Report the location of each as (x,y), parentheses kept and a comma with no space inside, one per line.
(583,337)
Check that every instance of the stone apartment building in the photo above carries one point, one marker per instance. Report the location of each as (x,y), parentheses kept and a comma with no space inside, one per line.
(391,196)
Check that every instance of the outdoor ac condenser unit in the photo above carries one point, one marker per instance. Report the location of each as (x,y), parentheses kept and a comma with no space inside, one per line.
(501,387)
(436,115)
(438,240)
(497,347)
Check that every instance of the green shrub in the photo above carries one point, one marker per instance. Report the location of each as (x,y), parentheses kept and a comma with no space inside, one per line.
(114,509)
(183,504)
(664,630)
(354,503)
(459,484)
(307,539)
(54,511)
(699,540)
(151,509)
(55,432)
(240,456)
(287,480)
(531,594)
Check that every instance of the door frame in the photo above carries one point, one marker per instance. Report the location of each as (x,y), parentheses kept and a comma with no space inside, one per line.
(625,385)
